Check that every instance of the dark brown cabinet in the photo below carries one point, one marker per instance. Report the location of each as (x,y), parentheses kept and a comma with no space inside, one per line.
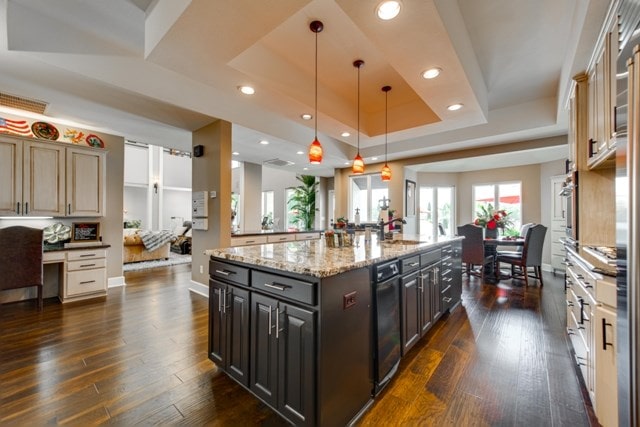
(411,314)
(282,360)
(451,276)
(229,329)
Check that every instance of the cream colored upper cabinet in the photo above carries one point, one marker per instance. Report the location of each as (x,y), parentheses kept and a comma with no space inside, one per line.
(50,179)
(43,179)
(10,177)
(85,182)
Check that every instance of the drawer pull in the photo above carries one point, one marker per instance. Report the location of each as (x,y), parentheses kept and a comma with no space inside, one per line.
(225,272)
(249,241)
(87,255)
(274,286)
(414,264)
(446,299)
(87,265)
(86,282)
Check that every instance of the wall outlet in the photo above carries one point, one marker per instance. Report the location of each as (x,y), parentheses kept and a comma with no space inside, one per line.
(202,269)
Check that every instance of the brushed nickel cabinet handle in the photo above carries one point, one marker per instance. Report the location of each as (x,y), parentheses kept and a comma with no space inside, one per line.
(278,287)
(88,281)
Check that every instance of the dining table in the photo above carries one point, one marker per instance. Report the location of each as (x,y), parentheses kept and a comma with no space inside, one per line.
(491,249)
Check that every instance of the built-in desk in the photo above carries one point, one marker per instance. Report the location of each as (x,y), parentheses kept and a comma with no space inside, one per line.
(83,274)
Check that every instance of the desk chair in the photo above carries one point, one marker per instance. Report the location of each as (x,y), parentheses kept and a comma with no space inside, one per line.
(531,255)
(473,248)
(21,259)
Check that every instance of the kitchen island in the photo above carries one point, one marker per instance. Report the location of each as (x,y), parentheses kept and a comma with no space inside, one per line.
(298,323)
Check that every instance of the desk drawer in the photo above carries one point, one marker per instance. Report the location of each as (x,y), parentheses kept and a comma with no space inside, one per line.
(86,281)
(52,257)
(86,264)
(79,255)
(286,287)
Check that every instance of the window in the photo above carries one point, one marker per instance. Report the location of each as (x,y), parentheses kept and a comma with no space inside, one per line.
(503,196)
(291,223)
(437,207)
(367,191)
(267,210)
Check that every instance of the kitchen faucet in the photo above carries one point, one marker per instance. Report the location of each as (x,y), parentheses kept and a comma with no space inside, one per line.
(382,224)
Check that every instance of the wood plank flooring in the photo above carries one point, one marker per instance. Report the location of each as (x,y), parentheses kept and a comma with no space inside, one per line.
(139,357)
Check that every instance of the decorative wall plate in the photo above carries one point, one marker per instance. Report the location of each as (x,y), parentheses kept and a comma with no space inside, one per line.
(55,233)
(94,141)
(45,130)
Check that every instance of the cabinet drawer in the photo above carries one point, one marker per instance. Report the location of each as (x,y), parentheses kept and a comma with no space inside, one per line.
(284,286)
(410,264)
(430,257)
(78,255)
(86,281)
(446,250)
(253,240)
(281,238)
(307,236)
(229,272)
(86,264)
(54,256)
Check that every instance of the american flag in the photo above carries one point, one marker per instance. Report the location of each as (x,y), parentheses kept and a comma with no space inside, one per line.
(20,127)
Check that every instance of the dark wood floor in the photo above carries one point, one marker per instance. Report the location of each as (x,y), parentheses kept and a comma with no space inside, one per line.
(139,357)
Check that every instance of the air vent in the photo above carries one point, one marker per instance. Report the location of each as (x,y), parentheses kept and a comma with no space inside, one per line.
(277,162)
(20,103)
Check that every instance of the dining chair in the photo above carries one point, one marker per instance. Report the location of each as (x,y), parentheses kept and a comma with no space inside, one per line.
(21,259)
(473,252)
(531,256)
(518,249)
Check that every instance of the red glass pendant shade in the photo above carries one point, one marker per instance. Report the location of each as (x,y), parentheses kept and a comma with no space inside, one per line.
(358,165)
(386,173)
(315,152)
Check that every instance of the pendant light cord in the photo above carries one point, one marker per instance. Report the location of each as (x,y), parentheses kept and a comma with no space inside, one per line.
(386,131)
(316,89)
(358,139)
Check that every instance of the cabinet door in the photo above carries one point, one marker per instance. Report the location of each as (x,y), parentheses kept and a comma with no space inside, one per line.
(295,332)
(434,284)
(264,349)
(426,315)
(606,371)
(10,177)
(85,182)
(236,310)
(411,322)
(43,179)
(217,323)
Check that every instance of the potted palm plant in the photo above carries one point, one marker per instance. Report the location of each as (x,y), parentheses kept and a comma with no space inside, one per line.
(303,201)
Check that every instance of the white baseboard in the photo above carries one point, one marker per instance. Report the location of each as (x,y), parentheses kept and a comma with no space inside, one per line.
(199,288)
(116,282)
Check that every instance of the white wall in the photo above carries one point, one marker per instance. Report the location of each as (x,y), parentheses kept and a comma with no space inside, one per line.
(277,180)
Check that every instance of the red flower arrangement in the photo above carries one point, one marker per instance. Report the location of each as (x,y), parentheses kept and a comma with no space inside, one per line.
(492,219)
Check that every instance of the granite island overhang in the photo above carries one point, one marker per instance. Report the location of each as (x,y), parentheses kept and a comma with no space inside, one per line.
(298,324)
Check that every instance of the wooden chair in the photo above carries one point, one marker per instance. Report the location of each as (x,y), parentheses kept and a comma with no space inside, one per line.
(21,259)
(531,256)
(473,249)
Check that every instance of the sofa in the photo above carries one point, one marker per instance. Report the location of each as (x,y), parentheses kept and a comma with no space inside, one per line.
(134,249)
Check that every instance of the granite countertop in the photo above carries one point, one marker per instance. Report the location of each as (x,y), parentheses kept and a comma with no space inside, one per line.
(314,258)
(270,232)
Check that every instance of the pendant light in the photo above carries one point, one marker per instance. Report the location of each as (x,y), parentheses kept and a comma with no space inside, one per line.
(315,149)
(386,170)
(358,163)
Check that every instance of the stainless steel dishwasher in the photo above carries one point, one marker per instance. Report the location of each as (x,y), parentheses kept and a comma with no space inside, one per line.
(386,323)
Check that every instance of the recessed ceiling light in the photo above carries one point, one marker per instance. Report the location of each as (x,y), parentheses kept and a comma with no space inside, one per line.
(388,9)
(431,73)
(247,90)
(264,142)
(454,107)
(235,153)
(300,152)
(306,116)
(347,163)
(374,158)
(345,134)
(305,169)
